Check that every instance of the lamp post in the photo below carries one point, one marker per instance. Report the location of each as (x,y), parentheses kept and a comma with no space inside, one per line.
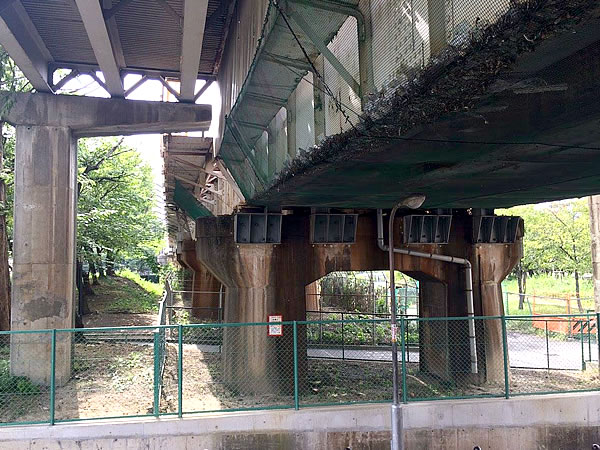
(412,202)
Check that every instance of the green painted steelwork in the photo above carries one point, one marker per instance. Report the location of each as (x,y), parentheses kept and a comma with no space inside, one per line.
(296,398)
(52,377)
(505,358)
(188,203)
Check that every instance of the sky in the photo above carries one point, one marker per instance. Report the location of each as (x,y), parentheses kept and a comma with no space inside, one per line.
(148,145)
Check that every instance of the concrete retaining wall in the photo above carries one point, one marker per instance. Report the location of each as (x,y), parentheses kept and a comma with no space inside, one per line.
(544,422)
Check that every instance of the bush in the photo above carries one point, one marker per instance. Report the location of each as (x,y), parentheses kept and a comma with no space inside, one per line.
(15,385)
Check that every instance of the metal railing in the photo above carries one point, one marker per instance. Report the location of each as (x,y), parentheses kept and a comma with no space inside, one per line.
(53,376)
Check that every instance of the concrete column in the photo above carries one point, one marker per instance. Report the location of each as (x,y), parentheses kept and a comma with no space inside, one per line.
(44,249)
(261,280)
(436,13)
(204,286)
(313,292)
(492,263)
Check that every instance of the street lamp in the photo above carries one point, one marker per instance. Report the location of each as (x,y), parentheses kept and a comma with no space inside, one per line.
(413,202)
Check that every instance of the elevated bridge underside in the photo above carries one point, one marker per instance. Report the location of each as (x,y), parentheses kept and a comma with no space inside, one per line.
(532,136)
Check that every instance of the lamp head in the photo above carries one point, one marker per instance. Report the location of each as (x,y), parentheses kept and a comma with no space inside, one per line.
(413,201)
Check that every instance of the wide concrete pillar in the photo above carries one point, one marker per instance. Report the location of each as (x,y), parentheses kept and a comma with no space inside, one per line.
(261,280)
(44,250)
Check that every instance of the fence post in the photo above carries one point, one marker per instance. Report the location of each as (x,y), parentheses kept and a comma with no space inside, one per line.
(343,340)
(180,371)
(505,355)
(598,337)
(589,337)
(53,377)
(156,374)
(403,347)
(547,347)
(582,347)
(296,398)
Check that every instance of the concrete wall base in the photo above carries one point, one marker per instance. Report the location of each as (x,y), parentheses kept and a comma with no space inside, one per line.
(567,421)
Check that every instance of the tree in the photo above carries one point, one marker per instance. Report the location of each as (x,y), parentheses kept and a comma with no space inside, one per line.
(557,237)
(115,215)
(569,243)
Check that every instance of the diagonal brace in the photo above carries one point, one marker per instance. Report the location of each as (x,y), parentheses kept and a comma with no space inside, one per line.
(329,56)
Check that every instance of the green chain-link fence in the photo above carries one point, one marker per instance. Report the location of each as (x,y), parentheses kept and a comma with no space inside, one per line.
(55,376)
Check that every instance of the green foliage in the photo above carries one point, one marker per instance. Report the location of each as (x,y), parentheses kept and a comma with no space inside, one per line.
(116,200)
(10,384)
(557,237)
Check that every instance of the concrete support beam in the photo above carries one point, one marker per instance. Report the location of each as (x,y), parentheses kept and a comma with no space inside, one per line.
(93,20)
(92,116)
(20,39)
(44,249)
(194,19)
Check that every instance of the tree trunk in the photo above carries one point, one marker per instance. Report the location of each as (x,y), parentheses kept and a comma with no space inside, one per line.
(579,305)
(4,270)
(93,273)
(110,264)
(522,282)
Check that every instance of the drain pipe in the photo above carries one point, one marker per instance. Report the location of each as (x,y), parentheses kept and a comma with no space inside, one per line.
(450,259)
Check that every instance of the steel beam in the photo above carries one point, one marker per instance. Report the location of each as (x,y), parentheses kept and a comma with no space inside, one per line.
(194,19)
(20,39)
(297,18)
(93,20)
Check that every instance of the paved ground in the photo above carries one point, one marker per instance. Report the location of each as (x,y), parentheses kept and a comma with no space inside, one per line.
(525,350)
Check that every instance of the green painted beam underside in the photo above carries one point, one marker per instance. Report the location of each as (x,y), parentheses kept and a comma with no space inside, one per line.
(188,203)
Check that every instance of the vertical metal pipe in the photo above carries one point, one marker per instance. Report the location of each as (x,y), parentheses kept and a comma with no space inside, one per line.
(397,432)
(180,371)
(53,377)
(403,371)
(505,355)
(296,397)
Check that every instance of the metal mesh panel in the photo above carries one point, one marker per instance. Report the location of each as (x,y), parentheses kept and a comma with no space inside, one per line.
(343,365)
(553,353)
(25,377)
(112,374)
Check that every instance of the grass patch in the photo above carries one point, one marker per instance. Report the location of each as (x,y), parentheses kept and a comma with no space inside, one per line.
(548,286)
(127,293)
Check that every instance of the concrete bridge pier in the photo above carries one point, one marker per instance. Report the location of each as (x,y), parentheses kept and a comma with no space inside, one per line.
(44,249)
(204,288)
(260,280)
(48,127)
(445,350)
